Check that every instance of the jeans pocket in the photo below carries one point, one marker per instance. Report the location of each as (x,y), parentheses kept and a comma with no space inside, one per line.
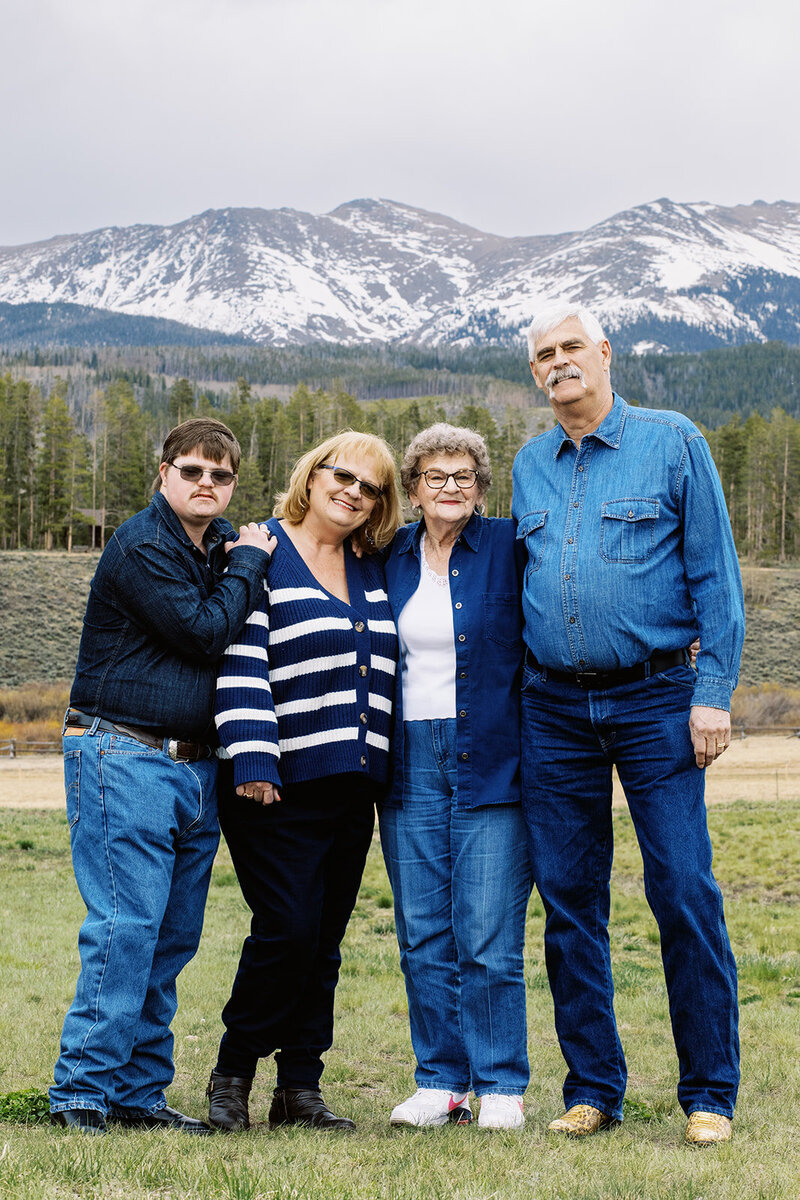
(628,530)
(72,783)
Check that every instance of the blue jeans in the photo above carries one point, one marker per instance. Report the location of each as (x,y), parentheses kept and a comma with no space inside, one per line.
(571,737)
(461,882)
(144,833)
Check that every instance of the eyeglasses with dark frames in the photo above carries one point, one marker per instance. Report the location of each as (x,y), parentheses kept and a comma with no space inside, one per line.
(347,478)
(435,479)
(193,474)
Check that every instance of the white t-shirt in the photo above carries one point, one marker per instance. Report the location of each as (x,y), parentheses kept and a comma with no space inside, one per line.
(427,649)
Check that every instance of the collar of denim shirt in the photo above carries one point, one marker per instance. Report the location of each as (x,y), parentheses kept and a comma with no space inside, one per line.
(470,535)
(609,430)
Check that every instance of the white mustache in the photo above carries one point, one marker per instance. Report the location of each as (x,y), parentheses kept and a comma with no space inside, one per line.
(559,374)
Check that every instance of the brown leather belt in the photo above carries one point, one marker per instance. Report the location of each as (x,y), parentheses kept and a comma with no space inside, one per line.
(177,750)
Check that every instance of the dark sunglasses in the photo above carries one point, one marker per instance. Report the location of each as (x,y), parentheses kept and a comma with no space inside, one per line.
(193,474)
(346,478)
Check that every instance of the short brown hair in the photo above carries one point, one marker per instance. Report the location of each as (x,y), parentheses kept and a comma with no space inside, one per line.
(385,518)
(213,439)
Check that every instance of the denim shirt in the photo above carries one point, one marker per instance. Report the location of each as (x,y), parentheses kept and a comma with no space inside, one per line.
(629,549)
(160,615)
(485,582)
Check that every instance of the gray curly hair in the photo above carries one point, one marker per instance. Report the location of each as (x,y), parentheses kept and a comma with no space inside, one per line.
(446,439)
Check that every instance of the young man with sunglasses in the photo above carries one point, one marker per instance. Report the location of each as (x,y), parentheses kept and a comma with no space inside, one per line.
(172,590)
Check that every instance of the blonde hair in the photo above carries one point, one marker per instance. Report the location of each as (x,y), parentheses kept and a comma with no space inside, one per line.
(385,517)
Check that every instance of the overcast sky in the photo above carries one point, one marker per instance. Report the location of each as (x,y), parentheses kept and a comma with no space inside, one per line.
(515,116)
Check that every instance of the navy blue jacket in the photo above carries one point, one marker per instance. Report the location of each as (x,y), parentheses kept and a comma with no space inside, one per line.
(159,617)
(485,591)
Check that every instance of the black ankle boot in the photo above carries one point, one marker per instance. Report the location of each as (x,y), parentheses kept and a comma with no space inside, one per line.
(227,1102)
(305,1106)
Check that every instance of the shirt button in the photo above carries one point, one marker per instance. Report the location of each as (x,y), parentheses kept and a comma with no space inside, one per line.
(463,712)
(458,604)
(581,662)
(362,718)
(362,670)
(462,675)
(454,573)
(570,541)
(363,760)
(630,512)
(462,637)
(580,468)
(359,626)
(464,756)
(575,505)
(572,620)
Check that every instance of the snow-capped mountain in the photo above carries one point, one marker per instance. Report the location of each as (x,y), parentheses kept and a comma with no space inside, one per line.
(677,276)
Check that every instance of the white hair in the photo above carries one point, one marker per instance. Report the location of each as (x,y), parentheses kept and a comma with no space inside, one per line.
(552,315)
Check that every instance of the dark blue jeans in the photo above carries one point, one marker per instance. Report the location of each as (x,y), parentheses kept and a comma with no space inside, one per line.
(299,863)
(571,738)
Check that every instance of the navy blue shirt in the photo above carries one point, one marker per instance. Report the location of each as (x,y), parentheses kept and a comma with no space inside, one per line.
(629,549)
(159,617)
(485,593)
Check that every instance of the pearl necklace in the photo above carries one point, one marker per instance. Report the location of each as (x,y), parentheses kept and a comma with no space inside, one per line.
(442,581)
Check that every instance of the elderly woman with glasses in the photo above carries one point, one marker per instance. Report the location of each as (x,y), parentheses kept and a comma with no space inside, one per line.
(452,829)
(304,708)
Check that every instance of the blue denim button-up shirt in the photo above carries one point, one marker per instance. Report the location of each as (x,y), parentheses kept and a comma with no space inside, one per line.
(160,615)
(629,549)
(485,582)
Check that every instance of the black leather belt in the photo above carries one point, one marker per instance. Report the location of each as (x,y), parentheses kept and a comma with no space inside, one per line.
(660,661)
(185,751)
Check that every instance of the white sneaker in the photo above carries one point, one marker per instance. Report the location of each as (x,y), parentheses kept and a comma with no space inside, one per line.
(501,1112)
(432,1106)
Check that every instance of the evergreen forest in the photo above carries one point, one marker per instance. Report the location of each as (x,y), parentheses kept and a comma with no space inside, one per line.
(80,429)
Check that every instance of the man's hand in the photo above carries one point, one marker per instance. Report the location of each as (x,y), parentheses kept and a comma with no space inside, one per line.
(262,793)
(711,733)
(254,535)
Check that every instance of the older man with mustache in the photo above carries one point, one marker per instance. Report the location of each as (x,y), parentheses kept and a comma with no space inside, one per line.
(630,557)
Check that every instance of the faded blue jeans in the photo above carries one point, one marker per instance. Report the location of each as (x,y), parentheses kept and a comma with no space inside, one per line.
(571,737)
(144,833)
(461,882)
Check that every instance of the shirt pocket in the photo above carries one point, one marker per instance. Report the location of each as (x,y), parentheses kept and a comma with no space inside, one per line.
(502,619)
(628,530)
(533,528)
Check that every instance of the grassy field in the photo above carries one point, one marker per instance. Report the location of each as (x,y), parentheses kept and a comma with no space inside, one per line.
(370,1067)
(44,597)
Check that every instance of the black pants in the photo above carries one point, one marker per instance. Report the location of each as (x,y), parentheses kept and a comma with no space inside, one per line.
(299,863)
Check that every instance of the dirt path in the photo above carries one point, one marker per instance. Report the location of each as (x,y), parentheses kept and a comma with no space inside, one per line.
(754,768)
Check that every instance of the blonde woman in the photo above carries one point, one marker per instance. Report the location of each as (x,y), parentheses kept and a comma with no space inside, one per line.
(304,708)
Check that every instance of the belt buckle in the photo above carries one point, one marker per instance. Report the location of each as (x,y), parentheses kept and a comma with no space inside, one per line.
(172,749)
(587,679)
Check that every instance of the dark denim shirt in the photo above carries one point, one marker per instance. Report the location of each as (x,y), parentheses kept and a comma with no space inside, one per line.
(485,584)
(629,549)
(159,617)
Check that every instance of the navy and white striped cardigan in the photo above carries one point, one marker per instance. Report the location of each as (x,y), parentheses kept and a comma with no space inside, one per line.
(307,689)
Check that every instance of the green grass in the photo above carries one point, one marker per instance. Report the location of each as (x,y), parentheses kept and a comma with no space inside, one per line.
(370,1067)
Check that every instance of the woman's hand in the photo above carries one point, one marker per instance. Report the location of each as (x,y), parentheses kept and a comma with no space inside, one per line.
(262,793)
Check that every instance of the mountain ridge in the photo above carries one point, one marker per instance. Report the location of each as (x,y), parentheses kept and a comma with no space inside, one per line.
(661,276)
